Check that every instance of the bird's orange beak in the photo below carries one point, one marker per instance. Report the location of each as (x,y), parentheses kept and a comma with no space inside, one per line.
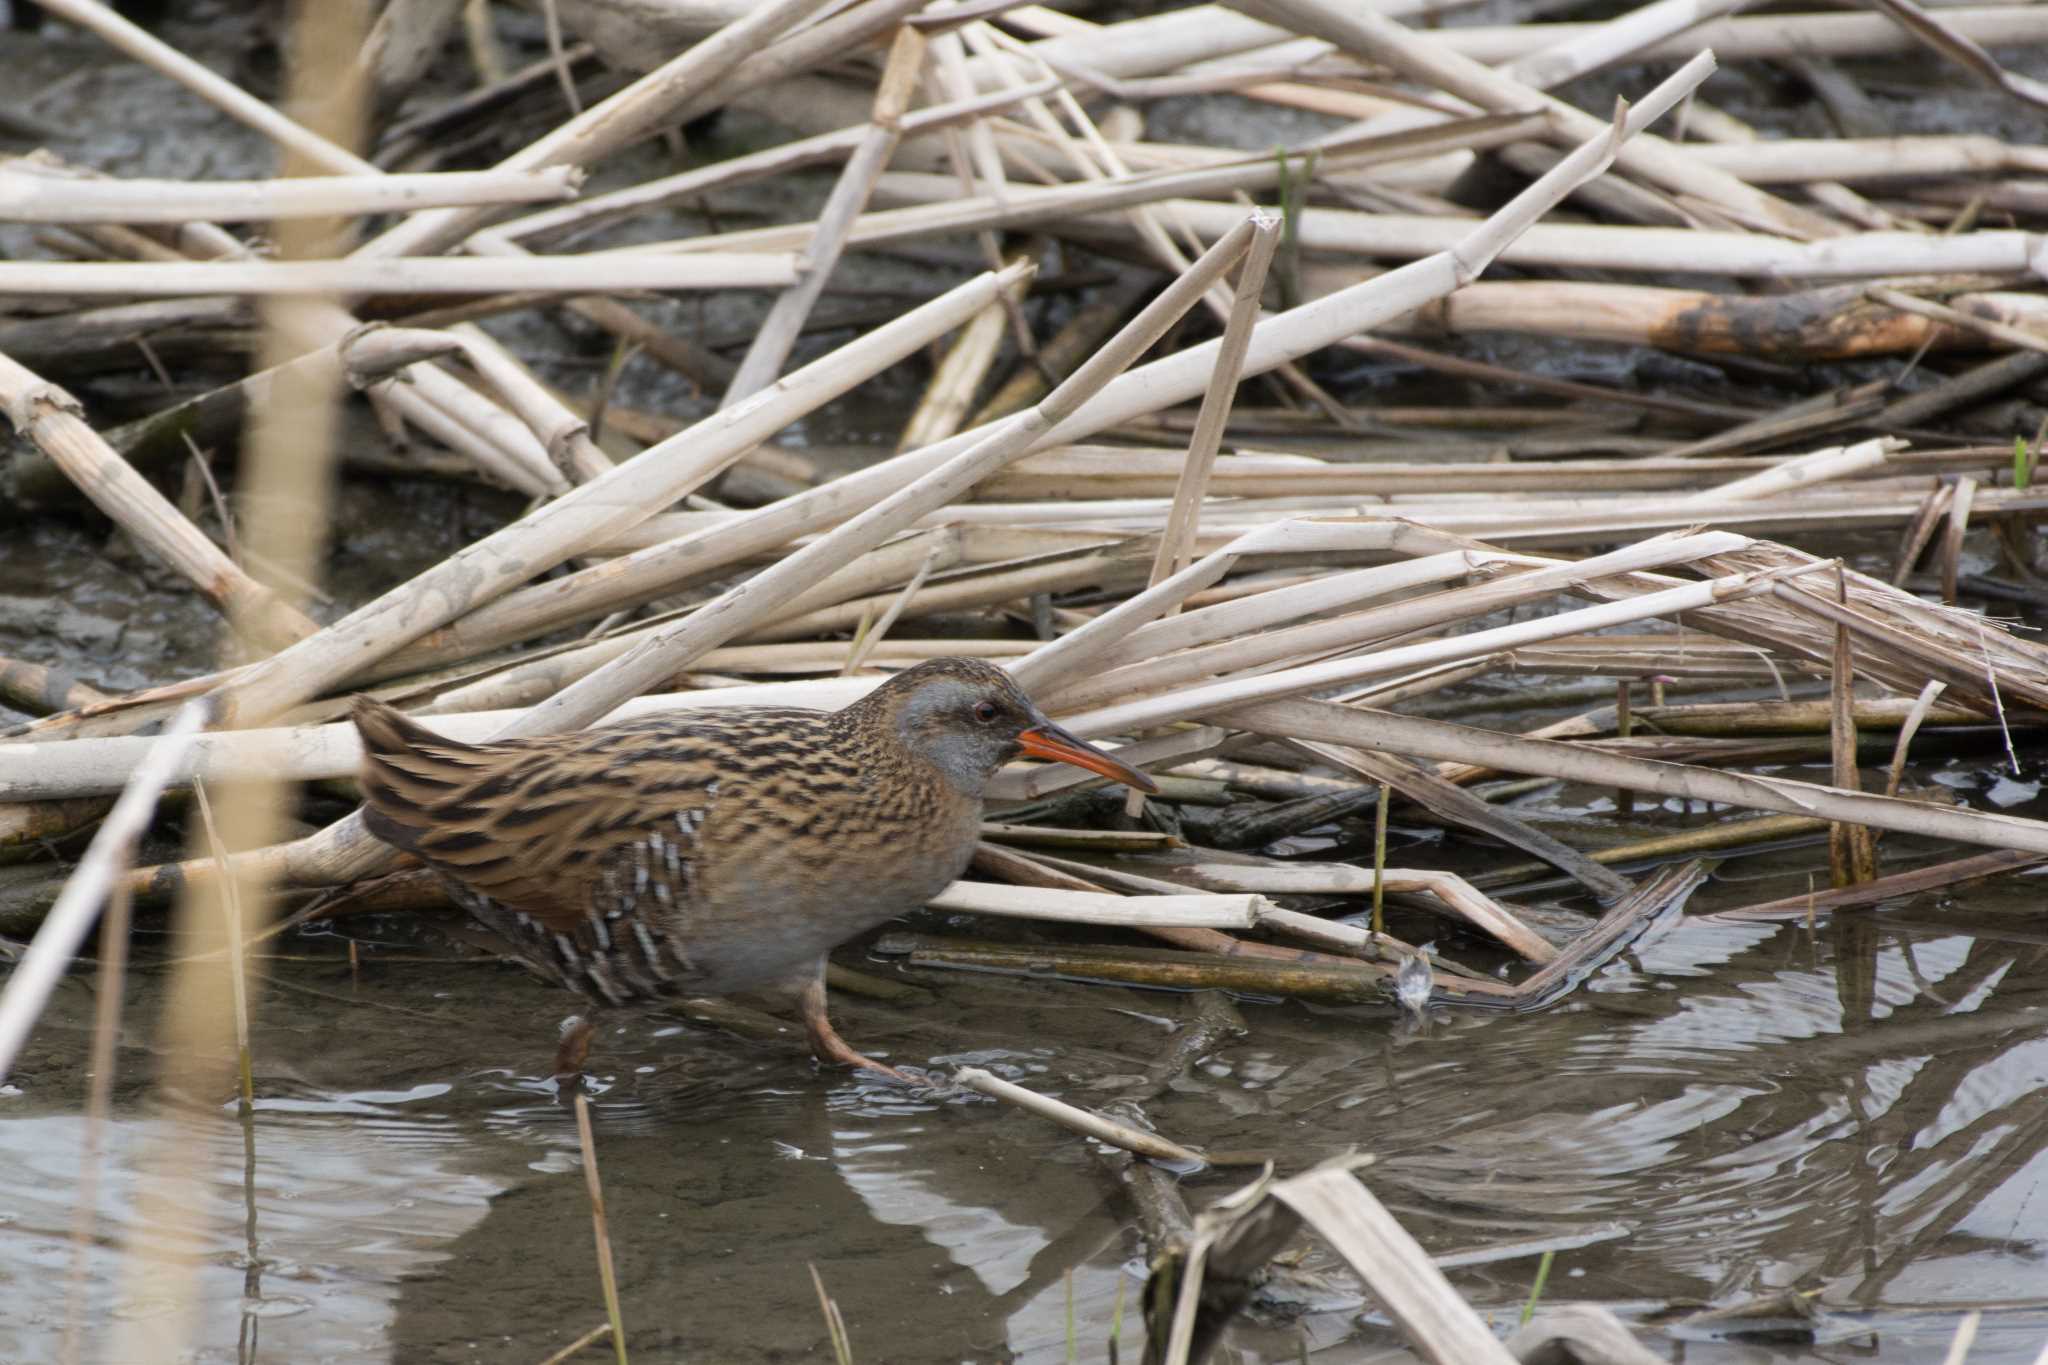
(1046,740)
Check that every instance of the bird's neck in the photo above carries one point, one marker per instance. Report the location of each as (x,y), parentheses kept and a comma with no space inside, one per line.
(882,735)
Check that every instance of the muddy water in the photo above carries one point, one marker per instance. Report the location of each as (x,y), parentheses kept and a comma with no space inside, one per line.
(1727,1110)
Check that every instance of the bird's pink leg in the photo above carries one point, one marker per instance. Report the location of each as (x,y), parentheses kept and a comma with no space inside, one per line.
(827,1045)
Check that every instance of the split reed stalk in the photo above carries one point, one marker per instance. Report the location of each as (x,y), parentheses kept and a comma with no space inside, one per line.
(607,1274)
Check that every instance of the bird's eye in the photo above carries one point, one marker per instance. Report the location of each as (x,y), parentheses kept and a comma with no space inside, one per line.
(986,711)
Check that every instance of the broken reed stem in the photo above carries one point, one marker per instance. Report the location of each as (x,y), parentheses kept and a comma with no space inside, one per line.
(1180,1339)
(1200,961)
(1810,906)
(1154,44)
(785,320)
(1381,39)
(1193,701)
(575,1348)
(1624,726)
(835,1321)
(571,456)
(1430,1314)
(1379,858)
(1457,896)
(864,644)
(1721,836)
(934,209)
(956,379)
(1176,546)
(1082,1121)
(605,1272)
(1922,704)
(1189,911)
(1631,31)
(1852,849)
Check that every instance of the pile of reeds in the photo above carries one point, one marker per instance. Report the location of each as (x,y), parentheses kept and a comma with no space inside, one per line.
(1248,599)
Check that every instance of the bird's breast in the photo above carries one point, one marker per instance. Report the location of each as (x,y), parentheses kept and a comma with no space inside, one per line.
(797,871)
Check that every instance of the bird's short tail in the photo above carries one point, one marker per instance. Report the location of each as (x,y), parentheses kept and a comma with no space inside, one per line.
(407,772)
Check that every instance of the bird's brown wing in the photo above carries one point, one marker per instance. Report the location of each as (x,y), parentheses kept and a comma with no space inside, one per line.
(569,831)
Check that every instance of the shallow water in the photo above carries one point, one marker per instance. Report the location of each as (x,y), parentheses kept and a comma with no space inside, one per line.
(1726,1110)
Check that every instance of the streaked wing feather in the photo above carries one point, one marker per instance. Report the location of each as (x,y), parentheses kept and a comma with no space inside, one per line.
(565,830)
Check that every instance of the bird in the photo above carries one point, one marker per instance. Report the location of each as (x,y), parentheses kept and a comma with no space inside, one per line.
(711,851)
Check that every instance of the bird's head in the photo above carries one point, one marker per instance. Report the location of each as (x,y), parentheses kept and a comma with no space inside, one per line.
(967,718)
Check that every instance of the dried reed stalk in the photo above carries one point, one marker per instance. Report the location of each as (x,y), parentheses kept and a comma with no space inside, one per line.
(35,194)
(595,273)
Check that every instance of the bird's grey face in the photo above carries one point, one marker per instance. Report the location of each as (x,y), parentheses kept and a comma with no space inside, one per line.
(971,720)
(964,729)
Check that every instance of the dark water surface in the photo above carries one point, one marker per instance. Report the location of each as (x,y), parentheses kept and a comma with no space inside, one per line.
(1859,1111)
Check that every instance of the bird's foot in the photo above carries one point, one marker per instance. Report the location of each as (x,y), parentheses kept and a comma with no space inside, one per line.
(826,1044)
(573,1050)
(828,1047)
(834,1051)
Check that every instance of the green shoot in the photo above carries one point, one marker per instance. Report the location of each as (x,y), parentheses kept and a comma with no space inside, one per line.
(1536,1289)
